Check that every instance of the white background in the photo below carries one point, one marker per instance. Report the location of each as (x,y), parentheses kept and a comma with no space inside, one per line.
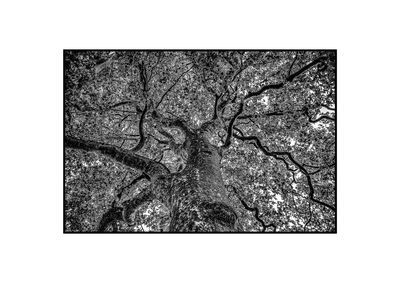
(33,247)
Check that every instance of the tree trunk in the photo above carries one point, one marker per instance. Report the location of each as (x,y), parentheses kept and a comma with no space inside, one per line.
(198,199)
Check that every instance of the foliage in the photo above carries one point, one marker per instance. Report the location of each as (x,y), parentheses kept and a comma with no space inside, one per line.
(106,93)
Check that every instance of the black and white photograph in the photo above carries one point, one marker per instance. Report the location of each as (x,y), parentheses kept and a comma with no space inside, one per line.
(200,141)
(212,141)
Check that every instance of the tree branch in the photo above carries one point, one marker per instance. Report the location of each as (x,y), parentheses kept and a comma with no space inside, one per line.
(289,78)
(305,68)
(291,66)
(215,115)
(319,118)
(134,182)
(141,132)
(167,122)
(253,209)
(297,164)
(133,204)
(309,219)
(112,215)
(230,127)
(159,57)
(238,73)
(328,107)
(140,163)
(100,67)
(116,213)
(121,104)
(143,78)
(264,88)
(171,87)
(261,115)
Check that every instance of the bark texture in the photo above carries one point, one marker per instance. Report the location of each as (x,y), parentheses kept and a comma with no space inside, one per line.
(198,198)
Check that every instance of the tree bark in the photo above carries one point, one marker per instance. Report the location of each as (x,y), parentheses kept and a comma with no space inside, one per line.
(198,198)
(150,167)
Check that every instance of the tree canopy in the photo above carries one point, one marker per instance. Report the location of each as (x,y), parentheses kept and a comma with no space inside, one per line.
(270,114)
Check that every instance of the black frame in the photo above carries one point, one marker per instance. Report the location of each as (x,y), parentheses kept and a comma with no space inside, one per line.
(153,232)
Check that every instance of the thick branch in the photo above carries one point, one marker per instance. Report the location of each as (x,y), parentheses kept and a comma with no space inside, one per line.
(123,213)
(134,182)
(140,163)
(305,68)
(112,215)
(133,204)
(289,78)
(215,115)
(264,88)
(143,78)
(172,123)
(141,132)
(279,113)
(167,122)
(230,127)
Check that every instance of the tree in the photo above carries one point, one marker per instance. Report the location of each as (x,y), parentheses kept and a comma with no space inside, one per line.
(200,141)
